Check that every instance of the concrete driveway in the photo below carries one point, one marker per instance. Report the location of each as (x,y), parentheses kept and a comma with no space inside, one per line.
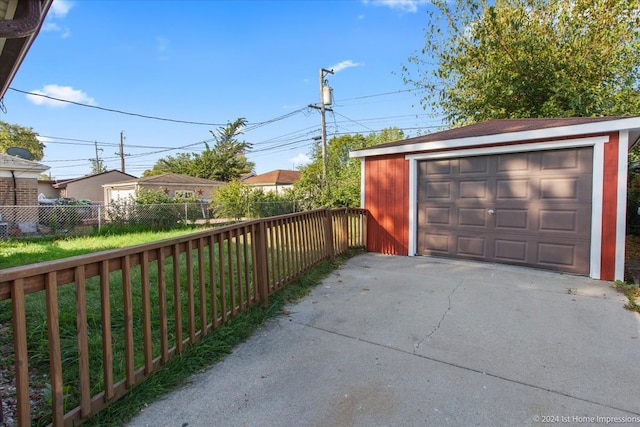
(415,341)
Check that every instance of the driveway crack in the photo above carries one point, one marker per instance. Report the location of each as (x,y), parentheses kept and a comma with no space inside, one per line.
(435,329)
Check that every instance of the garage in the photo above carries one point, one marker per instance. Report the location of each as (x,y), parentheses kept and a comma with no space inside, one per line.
(542,193)
(529,208)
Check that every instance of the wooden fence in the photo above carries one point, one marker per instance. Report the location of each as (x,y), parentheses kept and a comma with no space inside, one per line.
(130,310)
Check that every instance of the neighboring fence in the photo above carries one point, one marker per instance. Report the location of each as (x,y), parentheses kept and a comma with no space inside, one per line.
(129,311)
(82,219)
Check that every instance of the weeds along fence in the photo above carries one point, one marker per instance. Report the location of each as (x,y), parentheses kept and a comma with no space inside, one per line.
(78,219)
(84,331)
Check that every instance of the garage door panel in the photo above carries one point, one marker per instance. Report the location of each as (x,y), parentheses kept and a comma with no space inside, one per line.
(472,246)
(565,159)
(511,250)
(474,189)
(559,188)
(525,208)
(436,167)
(438,190)
(512,189)
(472,165)
(472,217)
(519,162)
(436,244)
(512,219)
(556,254)
(557,220)
(436,216)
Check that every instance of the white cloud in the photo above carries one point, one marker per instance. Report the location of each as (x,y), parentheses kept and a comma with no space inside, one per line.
(66,93)
(60,8)
(410,6)
(163,48)
(300,160)
(344,65)
(51,26)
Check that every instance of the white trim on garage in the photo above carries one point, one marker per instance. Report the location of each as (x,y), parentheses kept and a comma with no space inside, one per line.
(362,182)
(621,220)
(597,142)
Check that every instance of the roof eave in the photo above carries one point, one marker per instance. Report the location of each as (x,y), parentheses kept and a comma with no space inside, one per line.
(534,134)
(25,44)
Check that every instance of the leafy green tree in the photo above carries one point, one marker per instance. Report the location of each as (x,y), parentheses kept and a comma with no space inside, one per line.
(233,200)
(342,187)
(225,161)
(487,59)
(19,136)
(182,163)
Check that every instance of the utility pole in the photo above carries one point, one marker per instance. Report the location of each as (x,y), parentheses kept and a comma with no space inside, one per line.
(97,155)
(121,153)
(98,163)
(325,99)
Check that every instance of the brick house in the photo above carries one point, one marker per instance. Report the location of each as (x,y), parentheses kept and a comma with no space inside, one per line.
(18,187)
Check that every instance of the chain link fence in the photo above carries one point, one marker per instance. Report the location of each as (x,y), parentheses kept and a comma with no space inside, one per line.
(60,219)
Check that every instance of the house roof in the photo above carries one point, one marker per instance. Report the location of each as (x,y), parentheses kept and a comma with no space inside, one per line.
(167,179)
(63,183)
(20,22)
(13,163)
(507,130)
(277,177)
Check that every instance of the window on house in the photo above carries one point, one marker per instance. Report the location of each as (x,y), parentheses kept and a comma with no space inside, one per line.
(184,194)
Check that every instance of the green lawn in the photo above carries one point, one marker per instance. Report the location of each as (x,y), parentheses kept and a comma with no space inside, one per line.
(18,252)
(22,252)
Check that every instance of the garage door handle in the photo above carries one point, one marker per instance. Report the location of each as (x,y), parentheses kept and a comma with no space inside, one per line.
(491,211)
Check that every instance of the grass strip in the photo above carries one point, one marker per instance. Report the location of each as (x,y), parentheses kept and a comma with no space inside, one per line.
(632,292)
(213,348)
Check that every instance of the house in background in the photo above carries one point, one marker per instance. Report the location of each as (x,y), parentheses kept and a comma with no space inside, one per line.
(90,187)
(19,181)
(18,187)
(276,181)
(46,190)
(172,184)
(544,193)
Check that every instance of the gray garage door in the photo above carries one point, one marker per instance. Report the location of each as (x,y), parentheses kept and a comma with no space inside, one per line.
(529,209)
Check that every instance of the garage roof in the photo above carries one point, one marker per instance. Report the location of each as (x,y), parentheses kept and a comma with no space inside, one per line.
(507,130)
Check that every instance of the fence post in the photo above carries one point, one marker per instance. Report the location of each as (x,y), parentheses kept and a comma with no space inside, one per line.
(328,233)
(344,246)
(260,262)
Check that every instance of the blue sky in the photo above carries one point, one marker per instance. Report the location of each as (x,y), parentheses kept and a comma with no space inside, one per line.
(212,62)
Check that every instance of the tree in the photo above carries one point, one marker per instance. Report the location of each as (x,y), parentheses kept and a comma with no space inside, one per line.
(227,158)
(342,187)
(97,166)
(226,161)
(19,136)
(529,58)
(233,200)
(182,163)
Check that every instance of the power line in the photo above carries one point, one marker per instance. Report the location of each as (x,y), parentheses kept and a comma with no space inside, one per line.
(112,110)
(145,116)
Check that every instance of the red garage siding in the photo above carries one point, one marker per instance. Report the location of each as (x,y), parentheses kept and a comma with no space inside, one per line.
(609,211)
(387,199)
